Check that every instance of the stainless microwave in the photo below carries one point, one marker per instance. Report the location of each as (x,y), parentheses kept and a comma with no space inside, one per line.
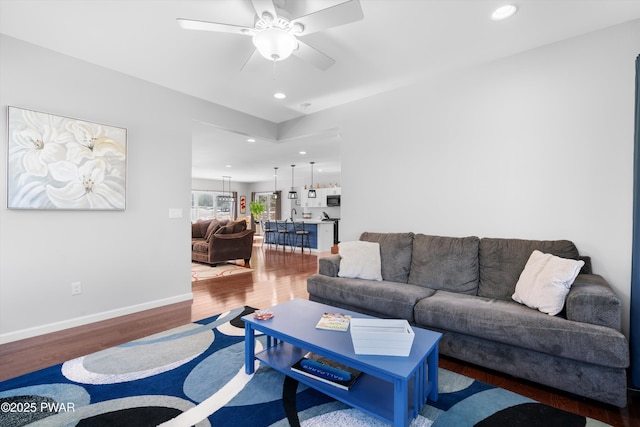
(333,200)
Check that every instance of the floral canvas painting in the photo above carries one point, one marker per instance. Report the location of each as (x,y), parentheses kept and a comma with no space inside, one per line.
(57,162)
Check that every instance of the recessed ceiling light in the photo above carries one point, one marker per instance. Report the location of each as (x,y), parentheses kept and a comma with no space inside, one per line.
(279,95)
(303,152)
(504,12)
(227,166)
(251,140)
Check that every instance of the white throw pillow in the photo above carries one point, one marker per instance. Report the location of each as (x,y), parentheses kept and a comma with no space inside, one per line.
(545,282)
(360,260)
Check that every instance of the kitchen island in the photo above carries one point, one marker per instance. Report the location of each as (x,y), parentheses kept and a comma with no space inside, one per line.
(321,234)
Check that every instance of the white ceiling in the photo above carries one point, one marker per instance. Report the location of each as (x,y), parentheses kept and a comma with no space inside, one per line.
(214,150)
(399,42)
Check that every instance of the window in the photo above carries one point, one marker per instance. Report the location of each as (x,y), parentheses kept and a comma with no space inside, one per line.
(271,206)
(212,204)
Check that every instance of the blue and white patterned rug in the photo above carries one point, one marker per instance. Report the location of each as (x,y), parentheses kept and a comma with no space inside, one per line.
(194,375)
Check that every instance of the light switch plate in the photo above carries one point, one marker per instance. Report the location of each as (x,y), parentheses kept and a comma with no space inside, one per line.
(175,213)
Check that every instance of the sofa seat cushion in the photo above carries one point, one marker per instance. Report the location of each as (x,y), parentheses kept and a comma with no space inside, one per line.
(511,323)
(391,299)
(199,245)
(395,254)
(448,263)
(503,260)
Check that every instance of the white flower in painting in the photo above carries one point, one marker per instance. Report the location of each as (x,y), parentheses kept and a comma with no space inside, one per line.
(38,147)
(92,140)
(88,186)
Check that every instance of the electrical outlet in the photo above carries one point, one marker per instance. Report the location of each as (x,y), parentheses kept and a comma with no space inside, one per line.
(76,288)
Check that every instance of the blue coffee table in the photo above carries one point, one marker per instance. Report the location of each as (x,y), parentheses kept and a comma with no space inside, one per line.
(392,388)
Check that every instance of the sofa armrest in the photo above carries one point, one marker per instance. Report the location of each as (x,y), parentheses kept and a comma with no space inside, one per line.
(591,300)
(224,247)
(329,265)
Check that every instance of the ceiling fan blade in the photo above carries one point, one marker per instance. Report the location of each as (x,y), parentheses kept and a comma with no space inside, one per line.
(340,14)
(250,58)
(264,6)
(192,24)
(314,56)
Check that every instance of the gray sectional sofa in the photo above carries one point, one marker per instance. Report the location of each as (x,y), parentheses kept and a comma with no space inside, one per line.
(462,287)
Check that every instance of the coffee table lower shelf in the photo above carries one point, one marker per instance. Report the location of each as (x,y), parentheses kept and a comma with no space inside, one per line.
(370,394)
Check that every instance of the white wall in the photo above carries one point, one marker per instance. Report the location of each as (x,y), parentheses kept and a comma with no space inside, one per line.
(535,146)
(127,261)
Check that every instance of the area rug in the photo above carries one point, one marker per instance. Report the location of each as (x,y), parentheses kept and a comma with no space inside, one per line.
(194,375)
(203,271)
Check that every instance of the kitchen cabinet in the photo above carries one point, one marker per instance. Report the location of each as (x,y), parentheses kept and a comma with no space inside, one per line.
(325,236)
(321,197)
(333,191)
(319,202)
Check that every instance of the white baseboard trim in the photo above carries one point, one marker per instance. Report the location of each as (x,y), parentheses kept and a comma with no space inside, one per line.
(84,320)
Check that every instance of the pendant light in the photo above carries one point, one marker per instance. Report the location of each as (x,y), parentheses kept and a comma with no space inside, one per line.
(275,183)
(293,194)
(226,197)
(312,191)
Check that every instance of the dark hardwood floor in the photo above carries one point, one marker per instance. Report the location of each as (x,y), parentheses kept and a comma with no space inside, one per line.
(277,277)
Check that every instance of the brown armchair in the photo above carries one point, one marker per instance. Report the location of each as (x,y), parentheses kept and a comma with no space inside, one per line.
(215,242)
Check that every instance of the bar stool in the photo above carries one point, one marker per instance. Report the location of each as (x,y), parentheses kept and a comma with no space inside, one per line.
(283,233)
(268,230)
(299,231)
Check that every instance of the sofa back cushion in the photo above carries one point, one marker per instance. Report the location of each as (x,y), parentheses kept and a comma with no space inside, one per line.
(447,263)
(232,227)
(237,226)
(503,260)
(199,228)
(213,227)
(395,254)
(195,230)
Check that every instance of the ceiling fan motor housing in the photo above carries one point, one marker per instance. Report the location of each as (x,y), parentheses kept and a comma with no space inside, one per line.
(274,37)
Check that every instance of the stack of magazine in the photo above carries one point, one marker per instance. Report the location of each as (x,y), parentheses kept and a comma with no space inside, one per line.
(334,322)
(326,370)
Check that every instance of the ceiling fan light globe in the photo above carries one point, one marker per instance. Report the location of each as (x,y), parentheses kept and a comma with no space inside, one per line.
(275,44)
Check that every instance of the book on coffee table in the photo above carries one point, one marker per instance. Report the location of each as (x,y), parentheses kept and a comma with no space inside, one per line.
(326,370)
(334,322)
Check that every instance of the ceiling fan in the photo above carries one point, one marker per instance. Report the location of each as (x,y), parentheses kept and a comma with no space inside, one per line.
(276,37)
